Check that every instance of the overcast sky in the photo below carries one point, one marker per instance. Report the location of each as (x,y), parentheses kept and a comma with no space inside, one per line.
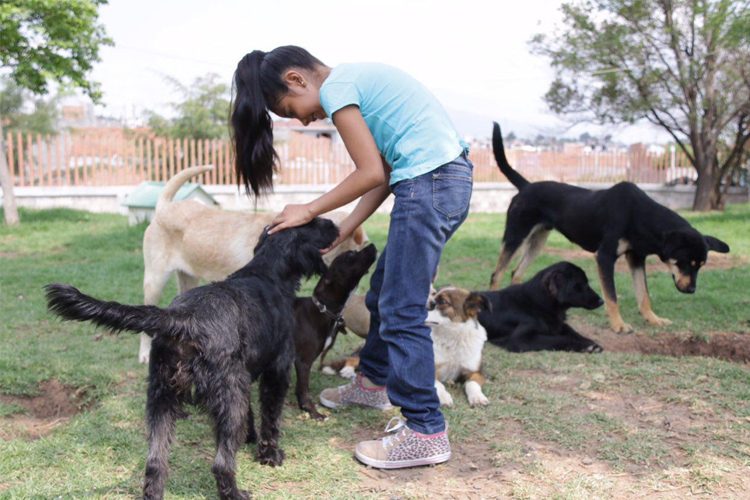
(474,55)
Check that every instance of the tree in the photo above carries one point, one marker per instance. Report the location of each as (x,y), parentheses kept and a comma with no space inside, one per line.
(202,113)
(43,41)
(683,65)
(13,100)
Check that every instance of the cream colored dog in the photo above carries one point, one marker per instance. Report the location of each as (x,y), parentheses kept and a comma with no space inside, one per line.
(198,242)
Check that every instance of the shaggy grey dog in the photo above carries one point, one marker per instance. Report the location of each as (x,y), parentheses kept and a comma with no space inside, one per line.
(217,339)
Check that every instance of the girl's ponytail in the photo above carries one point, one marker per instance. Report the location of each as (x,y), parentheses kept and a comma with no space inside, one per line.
(252,132)
(258,86)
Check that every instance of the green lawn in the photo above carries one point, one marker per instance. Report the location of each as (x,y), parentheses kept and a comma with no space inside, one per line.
(653,420)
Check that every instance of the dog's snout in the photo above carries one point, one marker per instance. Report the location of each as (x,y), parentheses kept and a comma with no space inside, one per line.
(684,283)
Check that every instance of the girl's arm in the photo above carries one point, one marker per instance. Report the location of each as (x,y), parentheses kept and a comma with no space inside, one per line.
(369,202)
(369,173)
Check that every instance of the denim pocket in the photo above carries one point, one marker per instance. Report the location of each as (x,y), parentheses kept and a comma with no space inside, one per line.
(451,189)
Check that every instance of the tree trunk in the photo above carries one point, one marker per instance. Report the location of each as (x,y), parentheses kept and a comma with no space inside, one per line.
(6,181)
(708,191)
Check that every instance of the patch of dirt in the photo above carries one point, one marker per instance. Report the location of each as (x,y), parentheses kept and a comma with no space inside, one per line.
(55,405)
(715,260)
(543,471)
(539,469)
(723,345)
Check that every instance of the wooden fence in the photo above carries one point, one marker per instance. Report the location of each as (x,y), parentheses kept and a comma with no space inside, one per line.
(117,157)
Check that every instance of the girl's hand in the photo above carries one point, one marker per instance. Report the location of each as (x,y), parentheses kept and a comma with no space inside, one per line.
(292,216)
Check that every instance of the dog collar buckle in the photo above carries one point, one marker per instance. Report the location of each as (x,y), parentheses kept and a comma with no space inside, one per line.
(338,319)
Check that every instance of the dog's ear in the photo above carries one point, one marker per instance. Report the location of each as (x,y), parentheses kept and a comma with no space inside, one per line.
(358,236)
(476,303)
(552,281)
(716,244)
(312,261)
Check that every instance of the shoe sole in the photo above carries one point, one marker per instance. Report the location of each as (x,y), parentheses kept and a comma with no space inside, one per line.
(402,464)
(333,405)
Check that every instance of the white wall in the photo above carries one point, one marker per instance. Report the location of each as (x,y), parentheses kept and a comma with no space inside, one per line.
(487,197)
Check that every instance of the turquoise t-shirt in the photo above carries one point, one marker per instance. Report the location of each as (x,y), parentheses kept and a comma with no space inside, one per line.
(411,129)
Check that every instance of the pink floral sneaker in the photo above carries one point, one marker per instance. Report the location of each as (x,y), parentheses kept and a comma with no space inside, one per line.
(358,392)
(406,448)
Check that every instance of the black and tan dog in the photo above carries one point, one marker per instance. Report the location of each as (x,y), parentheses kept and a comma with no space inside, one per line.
(319,317)
(217,339)
(531,316)
(611,222)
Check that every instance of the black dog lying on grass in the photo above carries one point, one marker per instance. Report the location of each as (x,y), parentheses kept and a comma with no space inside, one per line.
(318,318)
(218,338)
(531,316)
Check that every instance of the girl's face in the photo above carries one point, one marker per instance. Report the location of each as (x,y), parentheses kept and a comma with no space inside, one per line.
(302,101)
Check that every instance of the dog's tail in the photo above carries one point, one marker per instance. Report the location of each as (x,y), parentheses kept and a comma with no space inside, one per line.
(69,303)
(175,183)
(498,148)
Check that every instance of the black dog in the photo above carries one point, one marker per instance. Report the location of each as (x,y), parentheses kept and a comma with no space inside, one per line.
(531,316)
(615,221)
(217,339)
(319,320)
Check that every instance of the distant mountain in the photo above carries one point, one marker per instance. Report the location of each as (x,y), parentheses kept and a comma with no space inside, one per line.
(479,126)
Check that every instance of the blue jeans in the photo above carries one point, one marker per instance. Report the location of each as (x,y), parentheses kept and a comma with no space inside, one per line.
(398,352)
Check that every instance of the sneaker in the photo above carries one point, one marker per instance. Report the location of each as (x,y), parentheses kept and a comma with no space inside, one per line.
(406,448)
(355,393)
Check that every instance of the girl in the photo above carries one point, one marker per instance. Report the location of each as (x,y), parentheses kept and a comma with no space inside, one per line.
(402,142)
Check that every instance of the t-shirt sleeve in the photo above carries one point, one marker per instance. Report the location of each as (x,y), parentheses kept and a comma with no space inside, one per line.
(336,95)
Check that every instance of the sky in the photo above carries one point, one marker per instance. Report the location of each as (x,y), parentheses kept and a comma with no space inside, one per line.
(472,54)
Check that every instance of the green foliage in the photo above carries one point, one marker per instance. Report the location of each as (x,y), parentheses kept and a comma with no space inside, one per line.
(201,114)
(43,40)
(40,120)
(617,60)
(681,65)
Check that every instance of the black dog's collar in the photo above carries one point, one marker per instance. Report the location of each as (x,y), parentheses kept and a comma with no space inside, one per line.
(336,317)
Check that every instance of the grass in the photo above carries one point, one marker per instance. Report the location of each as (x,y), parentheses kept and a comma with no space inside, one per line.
(610,407)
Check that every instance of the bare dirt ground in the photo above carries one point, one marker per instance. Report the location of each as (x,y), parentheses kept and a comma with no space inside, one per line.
(54,406)
(545,471)
(723,345)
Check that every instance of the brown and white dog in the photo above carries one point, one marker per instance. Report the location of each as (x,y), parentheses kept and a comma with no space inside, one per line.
(199,242)
(457,341)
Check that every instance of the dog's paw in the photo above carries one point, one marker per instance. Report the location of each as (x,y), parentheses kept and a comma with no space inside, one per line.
(445,398)
(478,400)
(347,372)
(272,456)
(622,328)
(593,348)
(328,370)
(655,320)
(143,358)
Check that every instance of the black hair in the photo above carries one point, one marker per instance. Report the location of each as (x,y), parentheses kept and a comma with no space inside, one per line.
(258,85)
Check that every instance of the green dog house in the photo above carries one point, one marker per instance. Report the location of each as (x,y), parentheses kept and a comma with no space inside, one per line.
(141,202)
